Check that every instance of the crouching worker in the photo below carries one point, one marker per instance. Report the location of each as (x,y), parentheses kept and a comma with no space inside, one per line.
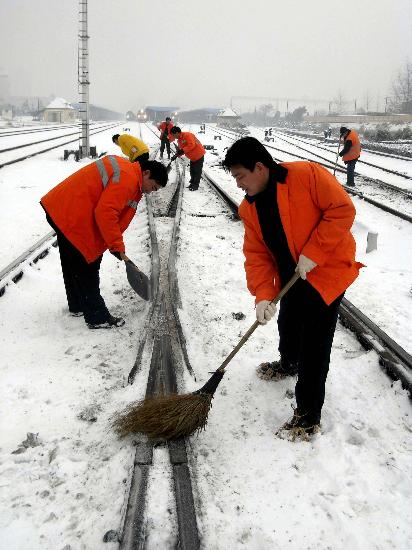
(90,210)
(134,148)
(189,145)
(297,218)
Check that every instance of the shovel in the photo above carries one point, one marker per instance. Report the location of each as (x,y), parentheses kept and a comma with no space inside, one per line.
(139,282)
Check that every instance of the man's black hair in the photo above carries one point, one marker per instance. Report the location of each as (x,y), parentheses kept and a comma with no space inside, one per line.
(247,152)
(343,130)
(175,130)
(158,171)
(168,118)
(116,136)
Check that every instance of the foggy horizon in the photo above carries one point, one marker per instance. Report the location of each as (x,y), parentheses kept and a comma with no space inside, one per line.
(152,53)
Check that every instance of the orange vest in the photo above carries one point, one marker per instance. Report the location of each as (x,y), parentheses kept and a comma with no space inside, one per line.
(165,129)
(94,206)
(191,146)
(316,214)
(354,151)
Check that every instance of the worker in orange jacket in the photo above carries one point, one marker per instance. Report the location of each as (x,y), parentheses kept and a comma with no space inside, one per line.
(297,218)
(350,153)
(89,211)
(189,145)
(165,137)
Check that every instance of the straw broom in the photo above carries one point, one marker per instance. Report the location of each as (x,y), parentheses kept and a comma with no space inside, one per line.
(165,417)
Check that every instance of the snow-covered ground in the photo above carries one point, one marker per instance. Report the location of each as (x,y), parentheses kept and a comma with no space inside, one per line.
(348,488)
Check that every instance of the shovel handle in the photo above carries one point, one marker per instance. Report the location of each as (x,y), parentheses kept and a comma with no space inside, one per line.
(337,157)
(252,329)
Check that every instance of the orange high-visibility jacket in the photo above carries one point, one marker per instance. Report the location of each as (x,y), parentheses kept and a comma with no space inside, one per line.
(316,214)
(191,146)
(165,129)
(95,205)
(354,151)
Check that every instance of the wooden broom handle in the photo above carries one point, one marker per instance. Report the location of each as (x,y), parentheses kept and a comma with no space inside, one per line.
(255,325)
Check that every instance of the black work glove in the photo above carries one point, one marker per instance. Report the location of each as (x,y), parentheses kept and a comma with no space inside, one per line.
(116,254)
(179,152)
(341,154)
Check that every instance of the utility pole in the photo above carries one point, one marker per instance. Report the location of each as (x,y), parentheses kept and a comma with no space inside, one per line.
(83,79)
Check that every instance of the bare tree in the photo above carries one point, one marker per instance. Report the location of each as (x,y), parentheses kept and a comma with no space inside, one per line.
(402,88)
(339,101)
(266,109)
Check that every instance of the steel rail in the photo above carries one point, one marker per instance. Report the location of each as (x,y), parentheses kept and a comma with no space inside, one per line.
(162,378)
(54,147)
(350,190)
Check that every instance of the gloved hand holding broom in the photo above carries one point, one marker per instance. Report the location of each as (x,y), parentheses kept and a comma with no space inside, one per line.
(265,310)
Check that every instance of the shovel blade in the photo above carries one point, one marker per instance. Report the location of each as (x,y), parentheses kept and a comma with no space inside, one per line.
(138,281)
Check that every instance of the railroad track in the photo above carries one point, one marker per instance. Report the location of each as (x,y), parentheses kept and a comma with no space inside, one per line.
(364,196)
(394,172)
(368,148)
(53,147)
(169,360)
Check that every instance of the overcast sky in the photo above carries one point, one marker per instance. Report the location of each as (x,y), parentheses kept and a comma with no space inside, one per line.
(203,52)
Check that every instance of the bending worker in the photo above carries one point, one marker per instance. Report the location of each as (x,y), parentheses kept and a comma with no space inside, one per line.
(134,148)
(90,210)
(189,145)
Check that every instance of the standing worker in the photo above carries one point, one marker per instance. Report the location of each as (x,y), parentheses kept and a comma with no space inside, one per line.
(90,210)
(350,153)
(165,128)
(190,146)
(297,217)
(134,148)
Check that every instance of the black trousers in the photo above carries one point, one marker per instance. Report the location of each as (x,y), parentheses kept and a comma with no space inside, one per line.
(350,173)
(306,330)
(163,143)
(196,167)
(81,280)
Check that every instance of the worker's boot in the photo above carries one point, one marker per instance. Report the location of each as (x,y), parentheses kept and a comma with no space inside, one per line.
(277,370)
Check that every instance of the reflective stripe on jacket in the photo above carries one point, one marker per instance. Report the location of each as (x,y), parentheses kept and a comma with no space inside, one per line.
(191,146)
(316,214)
(354,151)
(132,146)
(95,205)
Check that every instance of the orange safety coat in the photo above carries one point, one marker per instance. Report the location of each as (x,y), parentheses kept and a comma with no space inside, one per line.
(191,146)
(165,128)
(95,205)
(316,214)
(354,151)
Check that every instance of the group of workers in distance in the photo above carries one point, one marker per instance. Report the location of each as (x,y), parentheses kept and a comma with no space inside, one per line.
(297,218)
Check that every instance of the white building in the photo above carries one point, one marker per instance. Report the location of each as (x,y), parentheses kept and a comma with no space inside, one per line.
(59,110)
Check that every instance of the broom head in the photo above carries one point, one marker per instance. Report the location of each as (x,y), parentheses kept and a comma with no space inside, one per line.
(165,417)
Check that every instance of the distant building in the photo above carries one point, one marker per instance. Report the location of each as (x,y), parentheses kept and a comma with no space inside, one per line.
(157,114)
(199,116)
(228,117)
(59,110)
